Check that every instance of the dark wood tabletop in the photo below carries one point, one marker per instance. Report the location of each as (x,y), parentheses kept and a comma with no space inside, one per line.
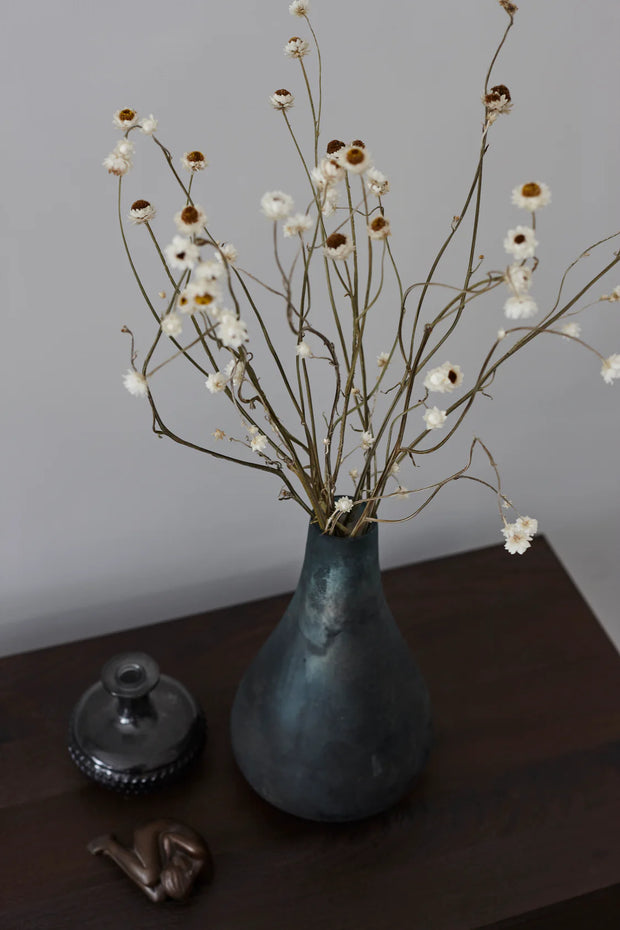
(515,823)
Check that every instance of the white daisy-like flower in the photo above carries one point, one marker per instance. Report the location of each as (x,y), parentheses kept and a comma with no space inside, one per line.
(282,99)
(190,219)
(235,372)
(135,382)
(518,278)
(219,434)
(297,225)
(124,147)
(141,211)
(527,525)
(343,505)
(520,307)
(172,324)
(330,170)
(194,160)
(276,205)
(377,182)
(227,252)
(497,101)
(379,228)
(368,441)
(521,242)
(125,118)
(209,271)
(258,443)
(299,7)
(329,201)
(531,196)
(117,164)
(382,359)
(199,295)
(517,540)
(303,350)
(572,330)
(434,418)
(296,48)
(610,369)
(182,253)
(148,125)
(338,247)
(231,332)
(216,382)
(355,159)
(444,379)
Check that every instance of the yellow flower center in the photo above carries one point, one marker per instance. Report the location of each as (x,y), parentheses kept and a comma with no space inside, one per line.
(203,300)
(531,190)
(127,115)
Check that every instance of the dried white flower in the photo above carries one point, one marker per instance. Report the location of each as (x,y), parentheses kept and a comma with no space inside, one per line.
(338,247)
(172,324)
(296,48)
(444,378)
(531,196)
(282,99)
(141,211)
(521,242)
(117,163)
(208,272)
(402,492)
(297,225)
(329,201)
(377,182)
(182,253)
(379,228)
(368,441)
(394,469)
(258,443)
(572,330)
(125,118)
(355,159)
(354,474)
(148,125)
(276,205)
(303,350)
(227,252)
(235,372)
(190,219)
(527,525)
(497,101)
(382,359)
(299,7)
(219,434)
(518,278)
(231,332)
(435,418)
(194,161)
(517,540)
(520,307)
(343,505)
(330,170)
(216,382)
(199,295)
(610,369)
(135,382)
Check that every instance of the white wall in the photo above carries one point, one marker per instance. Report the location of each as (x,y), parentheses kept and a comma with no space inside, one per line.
(103,525)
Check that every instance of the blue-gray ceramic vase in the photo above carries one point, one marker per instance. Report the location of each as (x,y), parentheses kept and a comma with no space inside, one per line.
(331,721)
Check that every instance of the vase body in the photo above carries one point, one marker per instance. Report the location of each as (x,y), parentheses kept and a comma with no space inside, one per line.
(331,721)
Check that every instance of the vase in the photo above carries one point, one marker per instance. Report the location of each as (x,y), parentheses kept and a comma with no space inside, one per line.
(331,721)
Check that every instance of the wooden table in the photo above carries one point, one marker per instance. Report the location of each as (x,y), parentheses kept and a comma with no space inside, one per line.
(516,823)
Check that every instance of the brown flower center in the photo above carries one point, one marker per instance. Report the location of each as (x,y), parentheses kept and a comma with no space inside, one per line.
(282,93)
(502,90)
(531,190)
(195,156)
(378,223)
(359,143)
(294,39)
(452,376)
(355,156)
(190,215)
(140,205)
(334,146)
(203,300)
(519,239)
(127,115)
(335,240)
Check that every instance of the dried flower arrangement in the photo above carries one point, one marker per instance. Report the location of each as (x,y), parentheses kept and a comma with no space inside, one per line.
(345,230)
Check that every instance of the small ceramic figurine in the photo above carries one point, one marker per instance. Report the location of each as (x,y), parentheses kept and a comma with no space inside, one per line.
(165,859)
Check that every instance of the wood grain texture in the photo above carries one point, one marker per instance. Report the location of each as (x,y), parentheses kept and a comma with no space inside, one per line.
(517,812)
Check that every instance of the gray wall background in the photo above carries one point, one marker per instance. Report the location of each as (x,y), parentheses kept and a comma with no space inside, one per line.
(104,526)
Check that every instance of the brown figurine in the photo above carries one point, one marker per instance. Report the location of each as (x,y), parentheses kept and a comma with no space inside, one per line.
(164,861)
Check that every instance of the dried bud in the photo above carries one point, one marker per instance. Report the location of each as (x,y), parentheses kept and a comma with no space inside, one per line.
(334,146)
(511,8)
